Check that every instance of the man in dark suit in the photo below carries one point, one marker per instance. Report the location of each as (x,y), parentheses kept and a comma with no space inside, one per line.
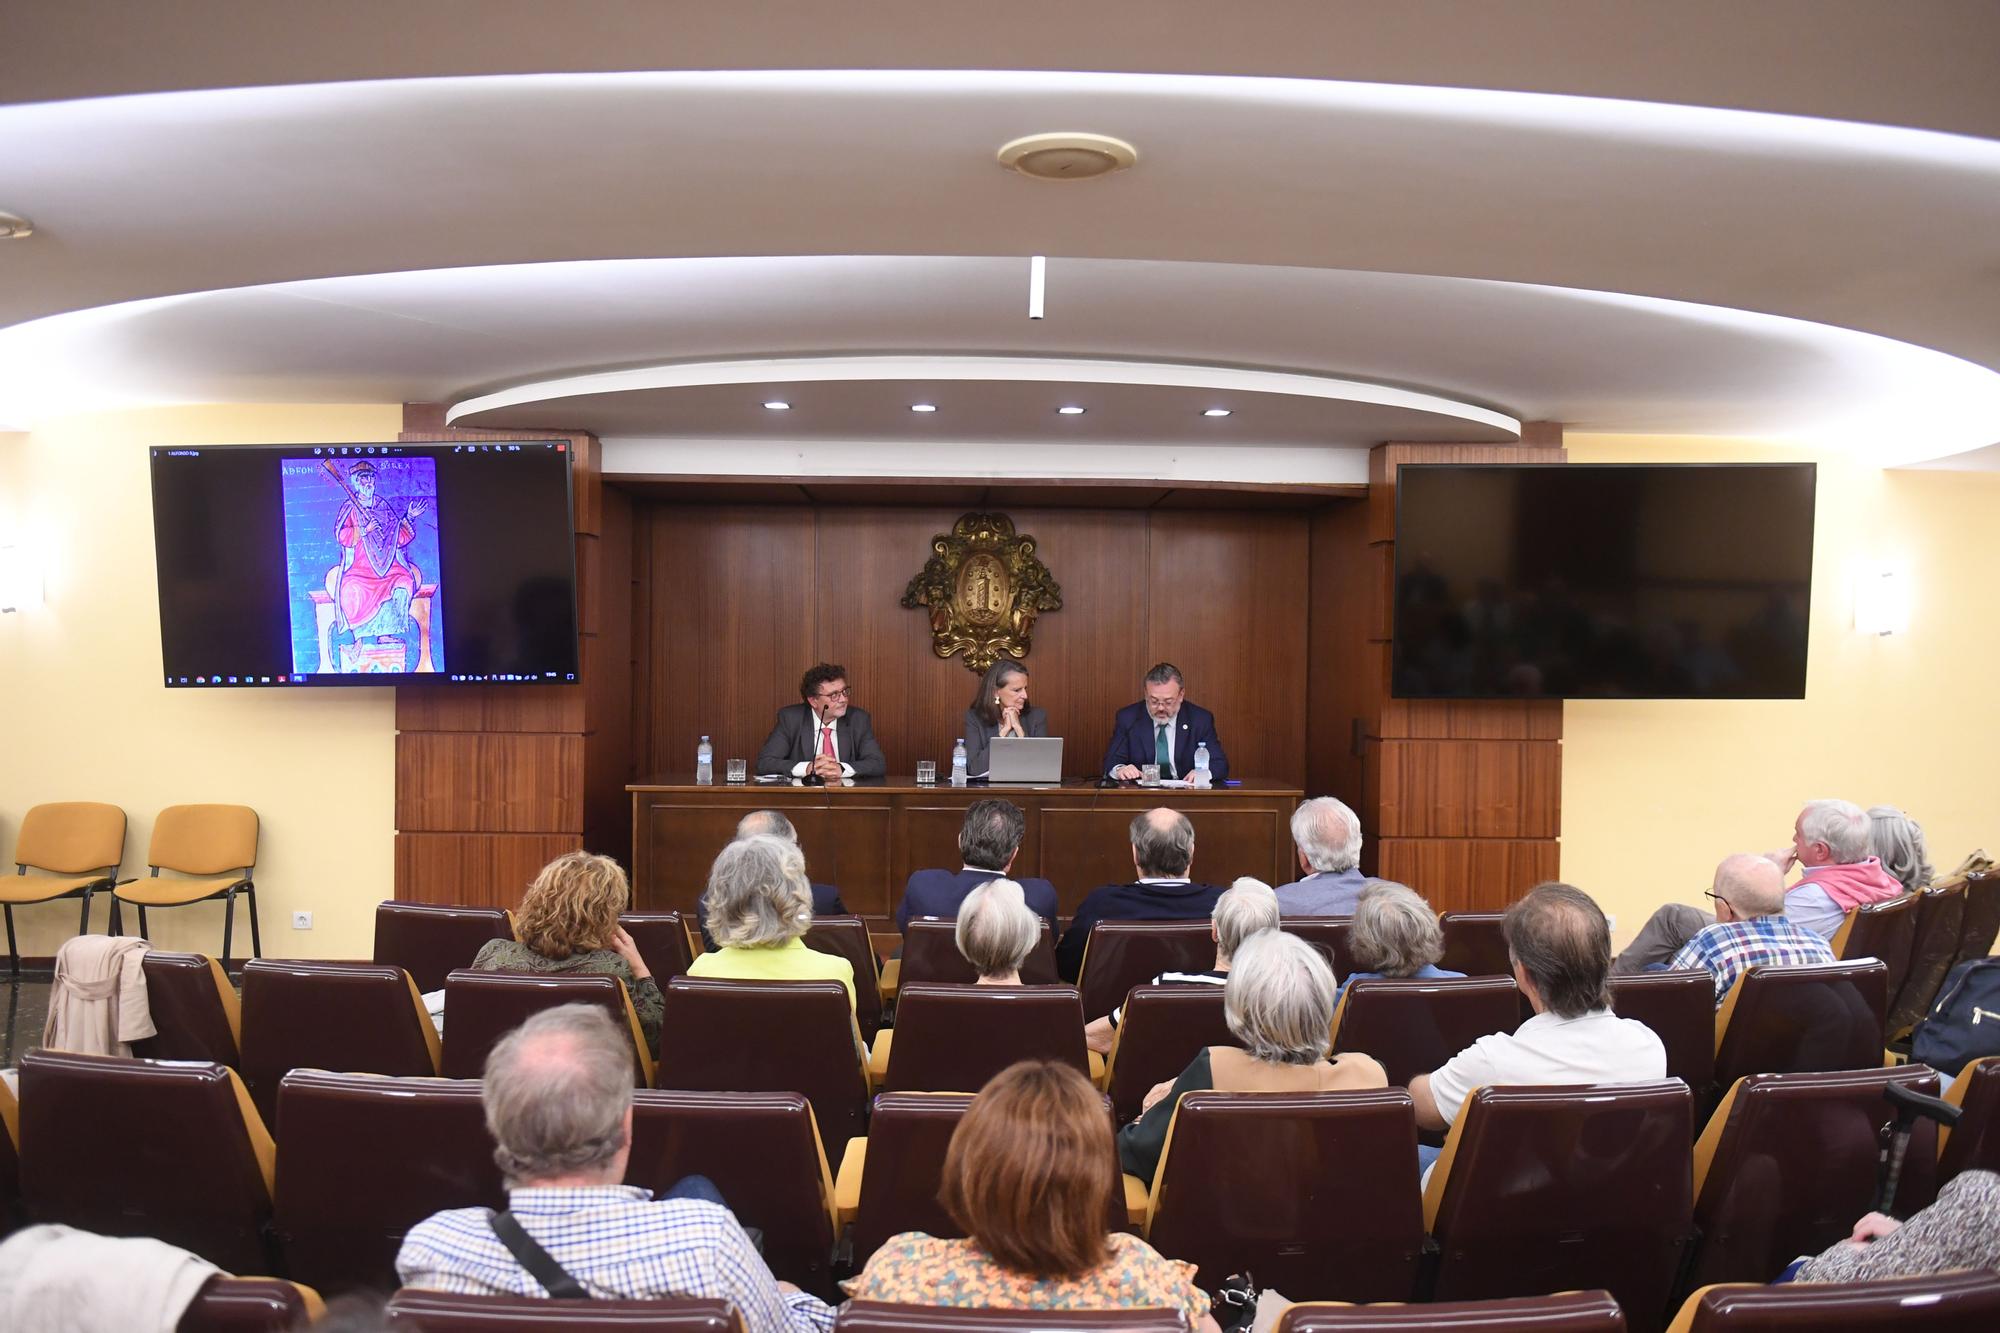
(1163,854)
(823,738)
(771,824)
(1163,728)
(989,840)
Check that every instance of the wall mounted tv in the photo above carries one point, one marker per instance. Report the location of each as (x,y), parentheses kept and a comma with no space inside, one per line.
(365,564)
(1602,581)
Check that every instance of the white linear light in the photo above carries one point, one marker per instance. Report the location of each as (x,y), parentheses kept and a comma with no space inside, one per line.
(1038,282)
(778,405)
(923,407)
(1215,412)
(1071,411)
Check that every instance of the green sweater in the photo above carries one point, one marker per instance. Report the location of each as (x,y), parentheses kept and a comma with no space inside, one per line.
(514,956)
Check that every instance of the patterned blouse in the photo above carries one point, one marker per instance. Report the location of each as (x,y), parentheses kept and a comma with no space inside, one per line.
(1960,1230)
(514,956)
(915,1269)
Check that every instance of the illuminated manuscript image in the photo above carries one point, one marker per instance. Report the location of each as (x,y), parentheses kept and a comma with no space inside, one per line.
(361,565)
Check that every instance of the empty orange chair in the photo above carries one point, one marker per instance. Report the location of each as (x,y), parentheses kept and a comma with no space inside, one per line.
(353,1018)
(1475,944)
(195,1009)
(1967,1302)
(1680,1009)
(955,1038)
(1940,913)
(1568,1312)
(432,940)
(211,849)
(1885,930)
(77,847)
(1413,1026)
(847,937)
(483,1007)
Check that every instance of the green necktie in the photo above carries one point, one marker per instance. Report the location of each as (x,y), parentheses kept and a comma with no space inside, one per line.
(1161,755)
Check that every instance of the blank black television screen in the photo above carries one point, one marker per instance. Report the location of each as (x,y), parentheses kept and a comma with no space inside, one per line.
(365,564)
(1602,581)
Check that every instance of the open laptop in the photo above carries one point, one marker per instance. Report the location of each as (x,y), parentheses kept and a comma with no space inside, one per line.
(1025,759)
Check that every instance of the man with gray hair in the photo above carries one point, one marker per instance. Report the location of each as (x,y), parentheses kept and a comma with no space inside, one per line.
(1751,928)
(988,842)
(1327,837)
(773,824)
(1164,729)
(1163,854)
(1836,873)
(1246,908)
(558,1098)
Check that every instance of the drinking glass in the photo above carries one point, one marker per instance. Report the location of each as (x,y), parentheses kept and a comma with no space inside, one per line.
(1149,775)
(739,770)
(926,772)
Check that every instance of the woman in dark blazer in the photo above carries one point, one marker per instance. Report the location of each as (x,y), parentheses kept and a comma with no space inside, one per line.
(999,708)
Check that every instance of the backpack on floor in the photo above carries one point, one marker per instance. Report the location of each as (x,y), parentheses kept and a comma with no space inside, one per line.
(1964,1024)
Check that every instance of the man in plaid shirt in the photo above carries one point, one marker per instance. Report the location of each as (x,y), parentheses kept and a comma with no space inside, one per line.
(558,1097)
(1751,928)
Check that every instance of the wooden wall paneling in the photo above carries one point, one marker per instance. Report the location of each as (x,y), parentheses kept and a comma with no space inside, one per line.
(474,869)
(1469,789)
(489,708)
(607,689)
(1342,682)
(489,782)
(1468,874)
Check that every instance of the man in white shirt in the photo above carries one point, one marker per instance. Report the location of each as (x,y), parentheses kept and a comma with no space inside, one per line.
(822,739)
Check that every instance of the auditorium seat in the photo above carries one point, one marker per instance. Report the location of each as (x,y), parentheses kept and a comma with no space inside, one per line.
(1314,1193)
(907,1138)
(1161,1030)
(1562,1189)
(1787,1020)
(763,1152)
(955,1038)
(76,846)
(663,942)
(1981,923)
(250,1305)
(1568,1312)
(1122,954)
(1413,1026)
(10,1160)
(1963,1302)
(482,1007)
(431,940)
(212,852)
(930,954)
(440,1312)
(1887,931)
(128,1147)
(196,1015)
(1788,1162)
(880,1317)
(767,1036)
(1680,1009)
(362,1159)
(847,937)
(1475,944)
(356,1018)
(1939,915)
(1328,934)
(1974,1143)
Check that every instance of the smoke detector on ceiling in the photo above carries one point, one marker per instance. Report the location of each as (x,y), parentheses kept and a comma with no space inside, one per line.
(1067,157)
(15,229)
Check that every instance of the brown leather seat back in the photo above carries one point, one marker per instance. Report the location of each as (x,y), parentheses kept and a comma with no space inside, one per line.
(1886,930)
(170,1150)
(482,1007)
(1974,1143)
(762,1152)
(1123,954)
(662,938)
(11,1214)
(768,1036)
(1328,934)
(1981,923)
(357,1018)
(930,953)
(1561,1189)
(439,1312)
(430,940)
(364,1159)
(1475,944)
(907,1138)
(1161,1030)
(1940,914)
(1414,1026)
(955,1038)
(195,1010)
(1786,1020)
(1964,1302)
(1569,1312)
(1788,1161)
(878,1317)
(1680,1009)
(1314,1193)
(847,937)
(249,1305)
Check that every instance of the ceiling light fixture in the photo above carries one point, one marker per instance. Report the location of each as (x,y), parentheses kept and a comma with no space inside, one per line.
(923,407)
(1038,281)
(1070,411)
(1216,412)
(778,405)
(1067,157)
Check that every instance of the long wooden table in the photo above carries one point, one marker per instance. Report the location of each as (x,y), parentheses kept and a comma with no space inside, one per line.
(868,837)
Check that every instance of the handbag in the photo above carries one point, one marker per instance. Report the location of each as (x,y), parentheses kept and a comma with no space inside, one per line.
(1964,1024)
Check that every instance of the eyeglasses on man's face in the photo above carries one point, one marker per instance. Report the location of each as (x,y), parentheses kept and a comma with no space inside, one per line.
(831,695)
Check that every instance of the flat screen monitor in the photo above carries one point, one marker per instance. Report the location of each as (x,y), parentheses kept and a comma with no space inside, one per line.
(1602,581)
(365,564)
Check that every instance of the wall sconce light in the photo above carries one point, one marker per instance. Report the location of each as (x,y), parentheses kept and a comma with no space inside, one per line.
(1881,602)
(20,579)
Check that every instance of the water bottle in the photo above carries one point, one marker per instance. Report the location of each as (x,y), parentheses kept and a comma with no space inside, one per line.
(958,762)
(704,762)
(1201,777)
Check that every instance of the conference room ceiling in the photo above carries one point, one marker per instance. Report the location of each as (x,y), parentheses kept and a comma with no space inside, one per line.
(820,184)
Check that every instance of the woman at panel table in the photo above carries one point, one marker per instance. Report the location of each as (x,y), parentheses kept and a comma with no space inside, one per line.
(999,708)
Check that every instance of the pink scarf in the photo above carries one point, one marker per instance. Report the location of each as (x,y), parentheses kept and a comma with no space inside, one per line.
(1856,883)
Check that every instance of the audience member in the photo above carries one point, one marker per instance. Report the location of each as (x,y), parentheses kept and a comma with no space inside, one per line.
(758,907)
(558,1097)
(1278,1002)
(1561,948)
(1898,843)
(1163,854)
(1960,1230)
(1751,928)
(996,932)
(773,824)
(1245,908)
(1394,934)
(1031,1178)
(568,923)
(1829,843)
(1327,838)
(988,842)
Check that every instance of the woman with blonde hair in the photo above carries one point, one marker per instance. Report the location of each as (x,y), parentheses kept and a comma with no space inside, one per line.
(568,923)
(757,907)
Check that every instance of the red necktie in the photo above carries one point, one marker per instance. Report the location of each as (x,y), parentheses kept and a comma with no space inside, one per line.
(826,739)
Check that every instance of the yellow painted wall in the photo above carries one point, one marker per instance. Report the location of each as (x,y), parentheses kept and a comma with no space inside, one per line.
(1656,792)
(86,716)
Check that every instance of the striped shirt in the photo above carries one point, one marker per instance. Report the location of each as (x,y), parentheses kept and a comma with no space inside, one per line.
(1730,948)
(618,1241)
(1209,978)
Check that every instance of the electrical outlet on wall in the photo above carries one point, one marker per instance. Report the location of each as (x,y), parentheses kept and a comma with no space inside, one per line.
(302,921)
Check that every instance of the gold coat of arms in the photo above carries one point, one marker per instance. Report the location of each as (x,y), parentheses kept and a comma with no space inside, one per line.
(984,587)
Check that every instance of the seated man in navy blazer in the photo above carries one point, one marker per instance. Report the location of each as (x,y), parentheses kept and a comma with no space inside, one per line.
(822,738)
(771,824)
(1163,728)
(989,840)
(1163,854)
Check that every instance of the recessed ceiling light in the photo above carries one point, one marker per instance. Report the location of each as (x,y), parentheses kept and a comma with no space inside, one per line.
(1216,412)
(778,405)
(923,407)
(1067,157)
(1070,411)
(15,228)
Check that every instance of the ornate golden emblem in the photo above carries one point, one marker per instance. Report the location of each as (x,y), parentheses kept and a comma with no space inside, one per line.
(984,587)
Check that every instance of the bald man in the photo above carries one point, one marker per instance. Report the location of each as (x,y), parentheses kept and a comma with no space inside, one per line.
(1163,854)
(1751,928)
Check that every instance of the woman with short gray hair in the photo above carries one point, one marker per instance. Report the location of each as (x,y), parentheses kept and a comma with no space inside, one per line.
(996,931)
(1278,1002)
(758,906)
(1898,843)
(1245,907)
(1394,934)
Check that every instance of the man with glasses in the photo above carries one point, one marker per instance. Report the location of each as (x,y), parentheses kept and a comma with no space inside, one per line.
(1751,928)
(822,739)
(1163,728)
